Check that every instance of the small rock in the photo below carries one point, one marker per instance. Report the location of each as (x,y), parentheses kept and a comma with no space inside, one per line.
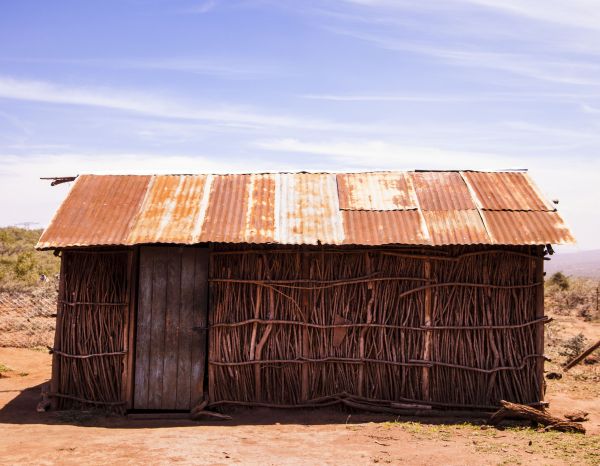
(591,360)
(554,375)
(577,416)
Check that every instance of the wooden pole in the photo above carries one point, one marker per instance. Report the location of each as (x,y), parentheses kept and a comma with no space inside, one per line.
(576,360)
(539,314)
(55,381)
(427,335)
(306,311)
(129,328)
(362,389)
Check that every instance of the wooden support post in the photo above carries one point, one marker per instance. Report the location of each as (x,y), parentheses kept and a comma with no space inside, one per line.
(129,328)
(539,314)
(362,389)
(55,381)
(427,334)
(265,336)
(306,311)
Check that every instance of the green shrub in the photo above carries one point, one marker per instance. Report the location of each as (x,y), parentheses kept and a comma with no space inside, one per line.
(560,280)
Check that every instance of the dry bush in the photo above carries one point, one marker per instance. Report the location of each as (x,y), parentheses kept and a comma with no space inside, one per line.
(570,296)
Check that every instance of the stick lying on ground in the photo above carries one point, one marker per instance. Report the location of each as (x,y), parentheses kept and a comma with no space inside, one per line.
(199,412)
(577,359)
(526,412)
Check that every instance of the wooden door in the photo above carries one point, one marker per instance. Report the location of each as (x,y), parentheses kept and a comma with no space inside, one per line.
(171,343)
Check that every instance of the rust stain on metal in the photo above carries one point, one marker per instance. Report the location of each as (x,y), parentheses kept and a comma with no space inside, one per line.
(527,227)
(506,191)
(427,208)
(442,191)
(383,227)
(455,227)
(307,209)
(170,210)
(260,214)
(225,219)
(375,191)
(97,211)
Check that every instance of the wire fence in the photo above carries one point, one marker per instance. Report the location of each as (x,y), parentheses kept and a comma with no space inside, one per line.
(27,321)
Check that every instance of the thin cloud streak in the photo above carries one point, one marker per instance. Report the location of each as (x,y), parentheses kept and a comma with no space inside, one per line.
(209,66)
(572,13)
(555,71)
(450,98)
(382,154)
(151,105)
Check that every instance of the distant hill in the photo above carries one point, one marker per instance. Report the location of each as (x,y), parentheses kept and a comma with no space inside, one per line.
(578,264)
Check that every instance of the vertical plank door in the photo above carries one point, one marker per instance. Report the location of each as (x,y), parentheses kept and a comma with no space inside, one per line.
(171,346)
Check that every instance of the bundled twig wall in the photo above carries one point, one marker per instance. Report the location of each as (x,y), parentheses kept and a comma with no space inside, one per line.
(452,327)
(89,353)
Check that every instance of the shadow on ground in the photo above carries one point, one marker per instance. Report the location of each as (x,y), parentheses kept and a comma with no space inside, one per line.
(21,409)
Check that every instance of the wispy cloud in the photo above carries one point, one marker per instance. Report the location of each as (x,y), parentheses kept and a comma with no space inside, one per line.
(211,66)
(452,97)
(154,105)
(573,13)
(565,71)
(380,154)
(202,7)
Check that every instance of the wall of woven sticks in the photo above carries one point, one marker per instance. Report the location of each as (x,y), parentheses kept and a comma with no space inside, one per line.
(448,327)
(90,342)
(456,327)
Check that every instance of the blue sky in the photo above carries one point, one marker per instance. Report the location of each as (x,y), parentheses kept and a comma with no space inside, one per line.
(157,86)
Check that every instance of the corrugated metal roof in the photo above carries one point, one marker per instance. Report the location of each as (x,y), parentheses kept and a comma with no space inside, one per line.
(455,227)
(98,210)
(506,191)
(170,210)
(384,227)
(425,208)
(307,209)
(375,191)
(442,191)
(526,227)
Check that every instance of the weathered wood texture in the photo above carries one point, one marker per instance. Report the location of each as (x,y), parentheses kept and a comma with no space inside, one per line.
(171,328)
(453,326)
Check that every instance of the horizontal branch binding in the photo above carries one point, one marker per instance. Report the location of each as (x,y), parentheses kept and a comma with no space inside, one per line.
(302,360)
(84,400)
(85,303)
(384,251)
(544,320)
(335,399)
(85,356)
(410,363)
(477,369)
(323,283)
(274,283)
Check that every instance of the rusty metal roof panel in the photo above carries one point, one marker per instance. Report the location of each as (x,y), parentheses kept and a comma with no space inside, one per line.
(526,227)
(99,210)
(432,208)
(307,210)
(225,219)
(260,213)
(455,227)
(506,191)
(384,227)
(170,211)
(442,191)
(375,191)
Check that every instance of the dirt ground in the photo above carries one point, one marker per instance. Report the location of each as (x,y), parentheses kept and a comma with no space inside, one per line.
(326,436)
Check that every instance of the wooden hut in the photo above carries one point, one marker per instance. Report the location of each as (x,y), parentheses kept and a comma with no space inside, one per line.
(377,289)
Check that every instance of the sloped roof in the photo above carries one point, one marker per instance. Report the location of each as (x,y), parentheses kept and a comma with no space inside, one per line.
(421,208)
